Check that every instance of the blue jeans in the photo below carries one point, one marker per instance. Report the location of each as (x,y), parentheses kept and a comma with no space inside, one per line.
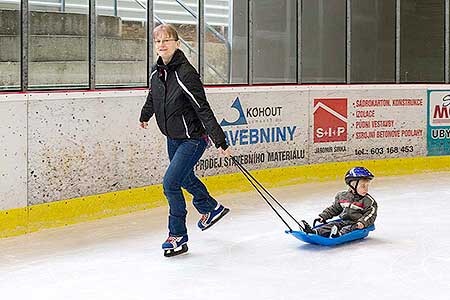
(184,155)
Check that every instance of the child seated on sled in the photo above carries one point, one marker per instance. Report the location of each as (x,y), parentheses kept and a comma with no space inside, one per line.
(355,207)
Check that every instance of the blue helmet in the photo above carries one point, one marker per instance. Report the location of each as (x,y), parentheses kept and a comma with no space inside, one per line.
(358,173)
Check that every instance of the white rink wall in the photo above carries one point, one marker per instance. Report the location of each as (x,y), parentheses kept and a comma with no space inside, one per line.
(13,151)
(64,145)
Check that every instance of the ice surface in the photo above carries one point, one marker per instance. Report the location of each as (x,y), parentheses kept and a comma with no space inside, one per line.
(247,255)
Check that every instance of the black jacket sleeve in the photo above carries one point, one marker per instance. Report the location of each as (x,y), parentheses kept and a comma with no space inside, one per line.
(147,109)
(193,88)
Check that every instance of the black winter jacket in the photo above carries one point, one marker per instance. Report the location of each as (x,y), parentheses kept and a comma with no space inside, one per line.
(178,100)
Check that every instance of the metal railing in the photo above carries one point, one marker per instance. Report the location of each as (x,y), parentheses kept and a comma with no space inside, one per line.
(217,35)
(128,10)
(192,49)
(83,7)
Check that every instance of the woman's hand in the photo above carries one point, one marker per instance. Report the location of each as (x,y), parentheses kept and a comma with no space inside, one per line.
(144,125)
(227,153)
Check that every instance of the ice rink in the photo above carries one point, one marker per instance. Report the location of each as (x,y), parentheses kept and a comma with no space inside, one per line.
(247,255)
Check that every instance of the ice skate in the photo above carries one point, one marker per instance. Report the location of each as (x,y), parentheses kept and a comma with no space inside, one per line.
(175,245)
(334,233)
(211,218)
(307,228)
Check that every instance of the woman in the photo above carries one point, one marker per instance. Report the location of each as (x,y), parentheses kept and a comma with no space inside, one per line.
(177,98)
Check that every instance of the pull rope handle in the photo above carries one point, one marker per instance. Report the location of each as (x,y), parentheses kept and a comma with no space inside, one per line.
(254,183)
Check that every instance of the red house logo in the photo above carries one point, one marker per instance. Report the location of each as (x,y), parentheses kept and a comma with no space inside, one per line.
(330,120)
(440,111)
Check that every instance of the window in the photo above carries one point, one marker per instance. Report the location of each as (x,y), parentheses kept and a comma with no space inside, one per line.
(9,45)
(226,31)
(183,16)
(323,41)
(121,47)
(58,50)
(373,41)
(275,41)
(422,41)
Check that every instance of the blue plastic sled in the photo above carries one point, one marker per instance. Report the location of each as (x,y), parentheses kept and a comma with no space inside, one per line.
(324,241)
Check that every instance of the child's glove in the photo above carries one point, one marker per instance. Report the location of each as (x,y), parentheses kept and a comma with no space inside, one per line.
(320,220)
(356,226)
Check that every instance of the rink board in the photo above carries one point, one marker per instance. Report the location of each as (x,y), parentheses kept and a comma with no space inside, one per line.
(72,211)
(77,156)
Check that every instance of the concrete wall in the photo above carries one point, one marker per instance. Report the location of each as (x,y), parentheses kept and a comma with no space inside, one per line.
(58,53)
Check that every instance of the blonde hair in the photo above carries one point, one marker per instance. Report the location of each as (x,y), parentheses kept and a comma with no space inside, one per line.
(165,30)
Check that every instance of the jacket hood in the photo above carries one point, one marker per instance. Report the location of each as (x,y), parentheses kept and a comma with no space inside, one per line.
(178,58)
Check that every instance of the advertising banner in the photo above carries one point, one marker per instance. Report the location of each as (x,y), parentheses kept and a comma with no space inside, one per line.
(359,124)
(438,126)
(266,129)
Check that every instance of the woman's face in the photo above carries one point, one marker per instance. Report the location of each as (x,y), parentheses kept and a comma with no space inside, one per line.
(165,46)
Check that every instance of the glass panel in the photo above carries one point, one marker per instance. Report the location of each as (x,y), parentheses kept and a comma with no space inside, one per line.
(226,32)
(422,41)
(58,56)
(238,38)
(373,41)
(183,16)
(121,43)
(323,41)
(217,45)
(9,45)
(275,41)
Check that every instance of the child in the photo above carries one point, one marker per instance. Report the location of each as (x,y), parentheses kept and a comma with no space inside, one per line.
(356,208)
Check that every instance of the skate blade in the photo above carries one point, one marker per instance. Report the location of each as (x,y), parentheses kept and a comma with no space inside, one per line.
(177,251)
(225,211)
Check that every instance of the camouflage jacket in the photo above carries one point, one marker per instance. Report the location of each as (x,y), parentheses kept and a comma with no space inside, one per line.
(352,207)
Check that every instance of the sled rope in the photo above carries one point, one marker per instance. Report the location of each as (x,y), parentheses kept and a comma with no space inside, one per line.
(255,183)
